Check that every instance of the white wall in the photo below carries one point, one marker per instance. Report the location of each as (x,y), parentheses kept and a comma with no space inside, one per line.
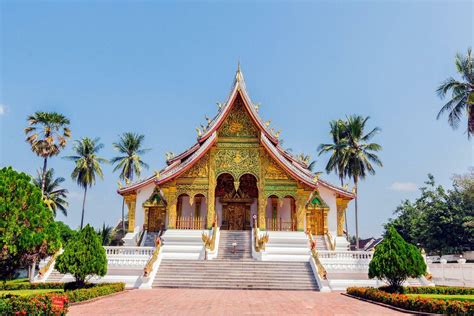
(142,195)
(187,210)
(330,198)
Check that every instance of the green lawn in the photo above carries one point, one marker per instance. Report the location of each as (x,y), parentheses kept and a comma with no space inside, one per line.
(446,297)
(30,292)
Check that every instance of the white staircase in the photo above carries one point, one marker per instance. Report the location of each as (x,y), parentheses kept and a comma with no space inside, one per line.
(286,246)
(183,244)
(242,241)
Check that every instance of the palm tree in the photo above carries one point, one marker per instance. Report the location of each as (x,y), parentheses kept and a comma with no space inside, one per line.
(462,93)
(47,133)
(336,148)
(105,235)
(129,162)
(358,155)
(87,165)
(54,195)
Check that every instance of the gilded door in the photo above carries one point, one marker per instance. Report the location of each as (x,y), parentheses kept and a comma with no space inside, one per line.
(235,215)
(315,222)
(156,219)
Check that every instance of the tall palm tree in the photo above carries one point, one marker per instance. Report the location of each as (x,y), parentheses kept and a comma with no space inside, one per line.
(54,195)
(105,235)
(87,165)
(129,162)
(462,93)
(359,155)
(47,133)
(336,148)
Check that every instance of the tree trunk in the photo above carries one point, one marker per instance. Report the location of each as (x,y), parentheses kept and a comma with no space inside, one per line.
(31,271)
(345,212)
(43,177)
(83,206)
(356,215)
(123,215)
(470,120)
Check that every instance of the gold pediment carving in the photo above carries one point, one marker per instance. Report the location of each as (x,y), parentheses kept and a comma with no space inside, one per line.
(238,122)
(200,168)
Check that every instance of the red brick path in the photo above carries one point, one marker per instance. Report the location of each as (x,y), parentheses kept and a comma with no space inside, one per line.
(228,302)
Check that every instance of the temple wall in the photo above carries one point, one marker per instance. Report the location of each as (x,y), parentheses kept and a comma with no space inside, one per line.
(253,211)
(187,209)
(330,198)
(142,195)
(218,209)
(285,210)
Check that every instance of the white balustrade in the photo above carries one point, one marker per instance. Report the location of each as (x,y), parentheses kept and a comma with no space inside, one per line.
(128,257)
(355,261)
(128,251)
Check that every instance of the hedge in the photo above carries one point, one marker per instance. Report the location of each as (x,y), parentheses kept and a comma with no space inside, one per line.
(29,286)
(80,295)
(419,304)
(42,304)
(447,290)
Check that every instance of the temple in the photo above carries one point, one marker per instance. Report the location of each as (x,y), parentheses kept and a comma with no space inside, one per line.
(235,210)
(234,172)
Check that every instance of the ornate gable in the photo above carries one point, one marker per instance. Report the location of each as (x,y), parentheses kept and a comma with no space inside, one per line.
(238,122)
(200,168)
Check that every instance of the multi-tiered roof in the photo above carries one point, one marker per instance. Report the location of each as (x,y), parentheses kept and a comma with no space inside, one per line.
(268,138)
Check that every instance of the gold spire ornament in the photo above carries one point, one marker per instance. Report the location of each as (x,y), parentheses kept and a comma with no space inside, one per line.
(199,132)
(119,184)
(267,123)
(257,106)
(238,76)
(208,120)
(157,174)
(277,134)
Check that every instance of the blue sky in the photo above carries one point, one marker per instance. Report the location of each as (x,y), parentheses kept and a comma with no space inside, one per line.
(158,68)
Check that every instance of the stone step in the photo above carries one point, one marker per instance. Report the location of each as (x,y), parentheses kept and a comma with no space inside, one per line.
(282,287)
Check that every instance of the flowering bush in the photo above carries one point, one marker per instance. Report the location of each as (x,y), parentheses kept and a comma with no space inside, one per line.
(419,304)
(34,305)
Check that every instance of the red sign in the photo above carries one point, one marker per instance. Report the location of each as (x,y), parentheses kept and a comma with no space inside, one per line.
(58,302)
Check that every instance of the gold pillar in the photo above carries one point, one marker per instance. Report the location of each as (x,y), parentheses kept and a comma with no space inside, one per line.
(301,199)
(341,205)
(262,207)
(131,201)
(171,202)
(325,220)
(211,190)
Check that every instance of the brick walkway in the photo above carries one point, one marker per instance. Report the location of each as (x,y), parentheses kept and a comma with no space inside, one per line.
(228,302)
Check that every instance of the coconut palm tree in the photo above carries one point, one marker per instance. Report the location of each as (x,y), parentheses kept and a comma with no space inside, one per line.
(88,165)
(129,163)
(54,195)
(358,155)
(462,93)
(336,148)
(105,235)
(47,133)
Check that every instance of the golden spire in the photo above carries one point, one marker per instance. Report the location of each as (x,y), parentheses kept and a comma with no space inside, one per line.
(238,76)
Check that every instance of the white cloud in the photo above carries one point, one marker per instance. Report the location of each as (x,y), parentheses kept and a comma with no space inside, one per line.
(404,186)
(2,109)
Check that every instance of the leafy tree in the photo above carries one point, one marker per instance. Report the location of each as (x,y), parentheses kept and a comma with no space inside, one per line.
(54,196)
(87,165)
(439,220)
(129,163)
(83,256)
(28,232)
(66,233)
(462,93)
(105,235)
(395,260)
(47,133)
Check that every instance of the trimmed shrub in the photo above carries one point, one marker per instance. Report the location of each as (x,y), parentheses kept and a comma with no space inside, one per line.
(446,290)
(83,256)
(395,260)
(80,295)
(419,304)
(30,286)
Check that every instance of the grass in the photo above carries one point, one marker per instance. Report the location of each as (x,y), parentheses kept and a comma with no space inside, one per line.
(30,292)
(469,298)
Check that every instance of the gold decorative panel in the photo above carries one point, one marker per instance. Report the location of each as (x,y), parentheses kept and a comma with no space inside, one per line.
(238,123)
(200,168)
(238,162)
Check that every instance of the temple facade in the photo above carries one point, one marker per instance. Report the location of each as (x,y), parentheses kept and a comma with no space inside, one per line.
(236,172)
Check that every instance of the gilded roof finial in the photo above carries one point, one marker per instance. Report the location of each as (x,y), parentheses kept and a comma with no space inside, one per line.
(267,123)
(277,134)
(257,106)
(157,174)
(238,75)
(199,132)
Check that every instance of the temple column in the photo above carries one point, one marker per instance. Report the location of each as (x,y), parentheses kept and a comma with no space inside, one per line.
(172,201)
(211,191)
(325,220)
(301,200)
(341,207)
(262,206)
(131,201)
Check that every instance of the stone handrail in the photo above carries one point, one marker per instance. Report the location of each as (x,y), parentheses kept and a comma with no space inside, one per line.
(149,266)
(341,255)
(50,264)
(314,253)
(259,241)
(128,251)
(332,242)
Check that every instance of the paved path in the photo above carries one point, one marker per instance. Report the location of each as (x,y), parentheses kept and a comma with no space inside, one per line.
(228,302)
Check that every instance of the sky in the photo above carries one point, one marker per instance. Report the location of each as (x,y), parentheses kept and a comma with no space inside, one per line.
(157,68)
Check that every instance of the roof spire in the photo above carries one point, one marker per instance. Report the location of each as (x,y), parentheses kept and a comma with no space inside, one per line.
(238,76)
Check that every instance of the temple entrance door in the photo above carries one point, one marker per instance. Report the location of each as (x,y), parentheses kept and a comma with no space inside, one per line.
(315,221)
(236,216)
(156,219)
